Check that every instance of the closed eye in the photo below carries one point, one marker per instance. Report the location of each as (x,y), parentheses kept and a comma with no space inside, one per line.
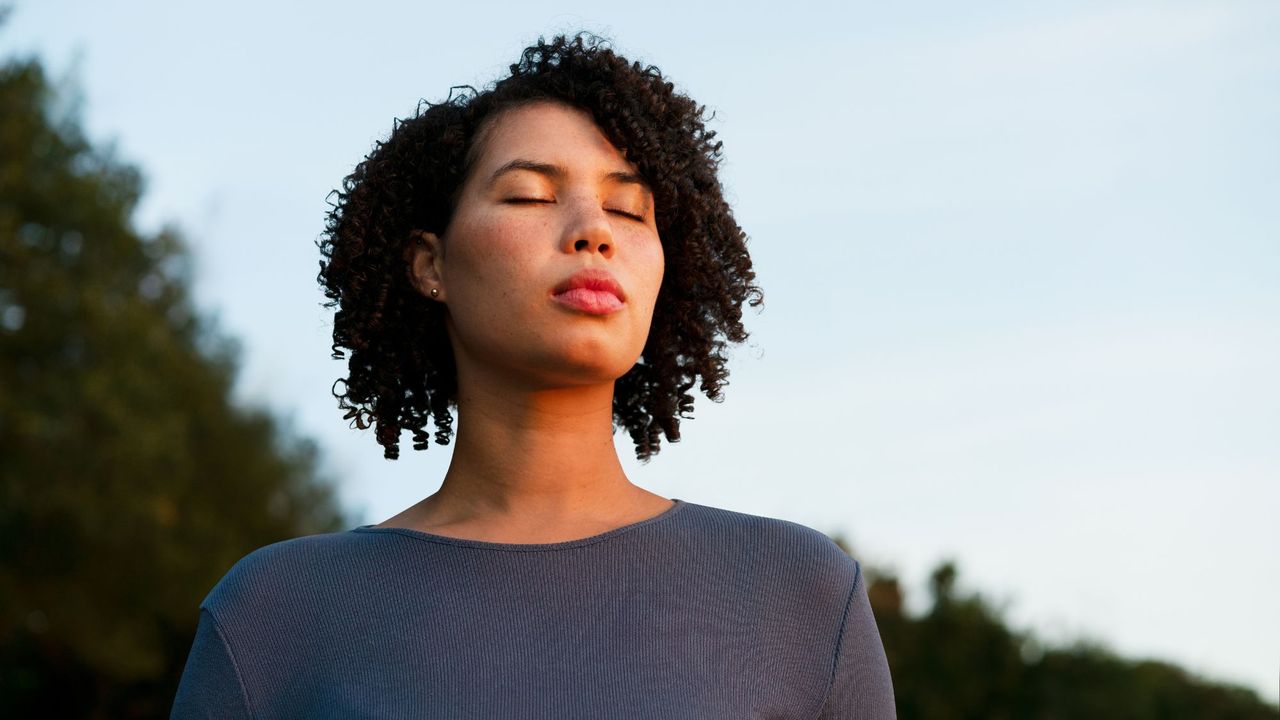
(624,213)
(521,200)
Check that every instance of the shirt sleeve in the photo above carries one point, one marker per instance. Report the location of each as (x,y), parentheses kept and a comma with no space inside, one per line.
(210,685)
(861,688)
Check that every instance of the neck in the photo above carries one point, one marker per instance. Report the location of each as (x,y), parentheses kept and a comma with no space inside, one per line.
(545,451)
(534,460)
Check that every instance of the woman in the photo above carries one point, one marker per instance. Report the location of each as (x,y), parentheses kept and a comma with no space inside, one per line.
(550,256)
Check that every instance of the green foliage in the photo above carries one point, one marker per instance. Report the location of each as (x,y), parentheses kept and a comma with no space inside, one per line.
(129,481)
(960,660)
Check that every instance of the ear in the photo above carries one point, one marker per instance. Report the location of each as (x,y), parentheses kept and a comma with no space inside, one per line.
(424,259)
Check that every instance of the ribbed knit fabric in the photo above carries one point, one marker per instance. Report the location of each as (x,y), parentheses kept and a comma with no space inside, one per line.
(698,613)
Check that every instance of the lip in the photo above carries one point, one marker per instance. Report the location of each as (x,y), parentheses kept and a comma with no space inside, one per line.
(592,291)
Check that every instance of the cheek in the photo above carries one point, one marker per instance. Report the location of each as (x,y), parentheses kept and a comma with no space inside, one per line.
(651,267)
(491,255)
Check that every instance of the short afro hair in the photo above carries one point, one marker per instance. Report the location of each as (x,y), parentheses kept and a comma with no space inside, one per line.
(402,371)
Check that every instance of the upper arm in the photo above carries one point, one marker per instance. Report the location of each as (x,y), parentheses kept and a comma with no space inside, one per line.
(861,688)
(211,686)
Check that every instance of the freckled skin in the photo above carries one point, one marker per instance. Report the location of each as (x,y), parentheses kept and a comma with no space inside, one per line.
(534,459)
(497,264)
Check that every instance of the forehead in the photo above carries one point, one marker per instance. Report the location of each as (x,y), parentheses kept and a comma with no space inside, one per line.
(550,132)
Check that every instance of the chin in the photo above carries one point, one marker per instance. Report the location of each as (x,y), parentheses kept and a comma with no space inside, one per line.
(591,371)
(590,363)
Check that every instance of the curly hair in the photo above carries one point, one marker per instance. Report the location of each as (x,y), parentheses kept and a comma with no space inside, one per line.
(402,370)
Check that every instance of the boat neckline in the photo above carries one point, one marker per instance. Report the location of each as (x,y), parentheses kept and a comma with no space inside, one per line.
(525,547)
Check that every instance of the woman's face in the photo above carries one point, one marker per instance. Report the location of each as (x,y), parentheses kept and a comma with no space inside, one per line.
(551,263)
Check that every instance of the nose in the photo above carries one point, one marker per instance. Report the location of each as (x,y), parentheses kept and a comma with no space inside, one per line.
(588,229)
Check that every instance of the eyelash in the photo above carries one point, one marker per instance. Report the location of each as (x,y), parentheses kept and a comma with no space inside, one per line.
(624,213)
(532,201)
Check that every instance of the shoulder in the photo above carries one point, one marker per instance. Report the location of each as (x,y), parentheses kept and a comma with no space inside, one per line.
(792,583)
(793,557)
(773,538)
(282,573)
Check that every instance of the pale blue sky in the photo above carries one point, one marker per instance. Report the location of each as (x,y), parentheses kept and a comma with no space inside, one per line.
(1021,265)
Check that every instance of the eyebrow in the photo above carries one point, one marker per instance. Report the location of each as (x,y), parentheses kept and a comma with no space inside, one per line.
(556,172)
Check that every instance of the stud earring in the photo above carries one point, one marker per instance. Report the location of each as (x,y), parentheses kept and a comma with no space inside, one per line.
(435,292)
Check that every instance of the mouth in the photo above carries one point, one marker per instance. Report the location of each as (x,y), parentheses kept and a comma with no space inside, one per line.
(594,292)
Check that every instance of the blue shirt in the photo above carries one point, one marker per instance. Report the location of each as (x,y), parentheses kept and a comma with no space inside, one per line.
(698,613)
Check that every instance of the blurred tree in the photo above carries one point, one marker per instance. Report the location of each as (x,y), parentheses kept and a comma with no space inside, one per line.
(129,481)
(959,660)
